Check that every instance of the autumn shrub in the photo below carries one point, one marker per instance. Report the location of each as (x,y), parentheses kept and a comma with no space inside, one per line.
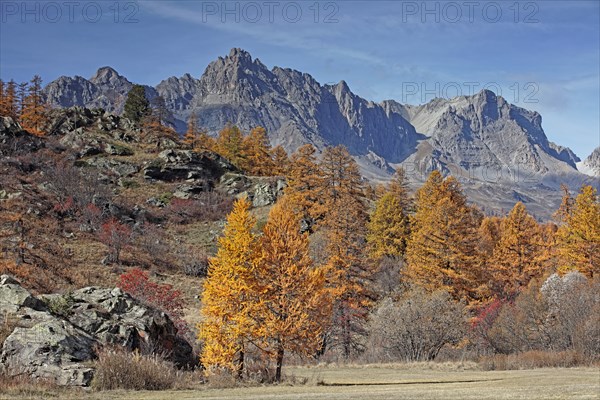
(152,240)
(75,188)
(60,304)
(559,315)
(118,369)
(115,235)
(23,385)
(482,323)
(416,327)
(161,296)
(194,262)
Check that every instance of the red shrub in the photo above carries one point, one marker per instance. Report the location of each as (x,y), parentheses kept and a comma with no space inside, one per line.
(162,296)
(65,208)
(115,236)
(483,322)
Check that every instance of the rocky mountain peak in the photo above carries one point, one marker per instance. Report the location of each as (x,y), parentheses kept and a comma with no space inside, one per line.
(236,75)
(107,76)
(486,96)
(239,58)
(591,165)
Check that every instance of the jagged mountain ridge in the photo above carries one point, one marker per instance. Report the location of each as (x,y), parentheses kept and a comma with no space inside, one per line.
(107,89)
(482,139)
(591,165)
(292,106)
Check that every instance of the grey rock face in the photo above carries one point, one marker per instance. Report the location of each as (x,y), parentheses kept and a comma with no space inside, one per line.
(180,165)
(591,165)
(15,141)
(261,191)
(106,90)
(484,134)
(58,341)
(8,127)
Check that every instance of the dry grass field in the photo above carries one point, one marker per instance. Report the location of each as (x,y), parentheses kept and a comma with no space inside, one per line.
(372,382)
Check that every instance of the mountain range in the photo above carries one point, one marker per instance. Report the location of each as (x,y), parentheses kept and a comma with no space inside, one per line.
(499,151)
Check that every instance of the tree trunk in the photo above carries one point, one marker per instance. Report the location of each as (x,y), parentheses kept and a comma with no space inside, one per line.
(279,364)
(240,364)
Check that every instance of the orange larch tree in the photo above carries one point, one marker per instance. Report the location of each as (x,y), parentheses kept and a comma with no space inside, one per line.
(516,258)
(345,227)
(195,138)
(441,251)
(230,144)
(34,109)
(281,161)
(293,303)
(305,185)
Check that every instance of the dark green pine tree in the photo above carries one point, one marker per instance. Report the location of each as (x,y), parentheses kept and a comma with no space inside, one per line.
(136,105)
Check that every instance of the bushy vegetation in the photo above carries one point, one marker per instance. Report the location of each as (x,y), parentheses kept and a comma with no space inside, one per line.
(116,369)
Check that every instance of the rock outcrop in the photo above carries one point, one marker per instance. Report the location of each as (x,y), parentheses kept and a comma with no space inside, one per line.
(185,165)
(261,191)
(56,336)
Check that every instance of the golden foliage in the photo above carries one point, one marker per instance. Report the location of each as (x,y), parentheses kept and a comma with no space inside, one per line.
(578,238)
(389,225)
(441,253)
(34,109)
(305,183)
(226,308)
(293,305)
(344,225)
(256,150)
(281,161)
(517,256)
(230,145)
(197,139)
(8,99)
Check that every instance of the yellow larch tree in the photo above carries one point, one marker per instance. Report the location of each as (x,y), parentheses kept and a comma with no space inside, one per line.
(256,149)
(294,303)
(230,144)
(389,225)
(399,188)
(441,251)
(226,310)
(578,238)
(517,256)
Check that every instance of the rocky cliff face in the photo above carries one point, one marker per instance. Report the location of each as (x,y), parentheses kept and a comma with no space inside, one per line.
(483,136)
(591,165)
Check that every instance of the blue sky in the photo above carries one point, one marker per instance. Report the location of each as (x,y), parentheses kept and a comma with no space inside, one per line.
(541,55)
